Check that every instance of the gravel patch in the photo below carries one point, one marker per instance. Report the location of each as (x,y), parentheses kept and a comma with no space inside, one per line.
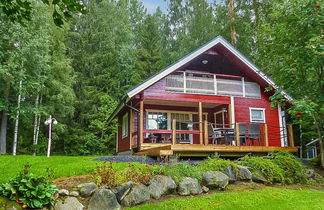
(127,158)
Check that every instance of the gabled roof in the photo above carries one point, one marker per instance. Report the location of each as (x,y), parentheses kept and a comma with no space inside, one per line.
(218,40)
(173,67)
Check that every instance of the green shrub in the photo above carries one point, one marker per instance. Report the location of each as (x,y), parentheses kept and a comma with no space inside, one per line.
(315,161)
(294,171)
(33,191)
(215,164)
(106,175)
(271,171)
(179,171)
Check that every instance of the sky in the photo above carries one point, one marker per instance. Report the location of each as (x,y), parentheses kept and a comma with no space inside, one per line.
(151,5)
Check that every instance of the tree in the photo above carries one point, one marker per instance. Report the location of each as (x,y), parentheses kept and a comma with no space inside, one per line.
(295,47)
(21,11)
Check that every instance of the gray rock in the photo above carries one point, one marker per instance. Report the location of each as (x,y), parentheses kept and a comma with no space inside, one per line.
(63,192)
(70,203)
(310,173)
(161,185)
(122,190)
(74,193)
(137,195)
(189,186)
(215,179)
(103,199)
(205,189)
(230,172)
(259,178)
(86,189)
(244,174)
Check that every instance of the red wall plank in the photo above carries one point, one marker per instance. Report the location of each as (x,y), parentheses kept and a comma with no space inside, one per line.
(242,114)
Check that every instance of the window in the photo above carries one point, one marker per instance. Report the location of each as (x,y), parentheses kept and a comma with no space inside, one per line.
(257,115)
(125,125)
(157,120)
(183,122)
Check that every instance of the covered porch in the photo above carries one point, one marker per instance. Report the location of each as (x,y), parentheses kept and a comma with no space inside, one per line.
(168,127)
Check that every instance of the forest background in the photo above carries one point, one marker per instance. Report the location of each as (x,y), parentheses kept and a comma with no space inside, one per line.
(79,71)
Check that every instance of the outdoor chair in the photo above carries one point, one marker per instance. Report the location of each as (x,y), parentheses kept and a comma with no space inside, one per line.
(254,132)
(242,133)
(215,133)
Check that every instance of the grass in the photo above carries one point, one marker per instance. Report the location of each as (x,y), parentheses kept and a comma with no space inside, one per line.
(266,198)
(60,166)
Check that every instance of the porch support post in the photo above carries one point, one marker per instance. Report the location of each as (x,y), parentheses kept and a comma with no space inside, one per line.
(291,136)
(200,123)
(231,113)
(266,135)
(237,134)
(206,132)
(141,124)
(174,131)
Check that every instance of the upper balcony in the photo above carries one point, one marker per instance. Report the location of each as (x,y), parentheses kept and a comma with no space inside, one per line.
(192,82)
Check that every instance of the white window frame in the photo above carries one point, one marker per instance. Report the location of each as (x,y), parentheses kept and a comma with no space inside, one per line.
(125,125)
(257,109)
(164,112)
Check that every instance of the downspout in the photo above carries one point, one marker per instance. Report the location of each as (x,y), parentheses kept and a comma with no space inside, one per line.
(138,125)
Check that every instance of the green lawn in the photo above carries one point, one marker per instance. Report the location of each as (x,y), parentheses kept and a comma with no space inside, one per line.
(266,198)
(61,166)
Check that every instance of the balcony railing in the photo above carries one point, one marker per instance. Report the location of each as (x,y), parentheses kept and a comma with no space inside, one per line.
(212,84)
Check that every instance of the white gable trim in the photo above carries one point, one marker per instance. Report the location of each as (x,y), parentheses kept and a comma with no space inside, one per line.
(193,55)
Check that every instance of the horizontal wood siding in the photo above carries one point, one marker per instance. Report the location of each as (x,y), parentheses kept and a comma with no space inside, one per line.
(123,143)
(157,92)
(242,114)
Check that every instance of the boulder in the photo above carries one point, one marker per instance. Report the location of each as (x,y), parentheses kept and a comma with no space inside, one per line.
(137,195)
(70,203)
(230,172)
(103,199)
(122,190)
(215,179)
(74,193)
(63,192)
(244,174)
(86,189)
(205,189)
(259,178)
(161,185)
(189,186)
(310,173)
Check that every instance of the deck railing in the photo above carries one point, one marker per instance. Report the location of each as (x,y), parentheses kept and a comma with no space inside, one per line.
(237,134)
(211,84)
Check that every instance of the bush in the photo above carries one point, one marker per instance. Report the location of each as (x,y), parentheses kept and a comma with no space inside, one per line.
(269,169)
(215,164)
(179,171)
(32,191)
(294,171)
(107,175)
(315,161)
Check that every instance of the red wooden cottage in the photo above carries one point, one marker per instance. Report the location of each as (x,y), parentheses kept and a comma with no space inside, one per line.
(211,100)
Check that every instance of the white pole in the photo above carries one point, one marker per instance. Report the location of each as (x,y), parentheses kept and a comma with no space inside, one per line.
(49,136)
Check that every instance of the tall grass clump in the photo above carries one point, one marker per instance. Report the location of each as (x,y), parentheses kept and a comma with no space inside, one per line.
(270,170)
(294,170)
(215,164)
(107,175)
(179,171)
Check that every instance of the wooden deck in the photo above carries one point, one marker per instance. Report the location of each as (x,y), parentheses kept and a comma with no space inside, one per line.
(206,150)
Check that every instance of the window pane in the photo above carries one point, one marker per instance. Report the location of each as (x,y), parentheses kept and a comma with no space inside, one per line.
(157,120)
(257,115)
